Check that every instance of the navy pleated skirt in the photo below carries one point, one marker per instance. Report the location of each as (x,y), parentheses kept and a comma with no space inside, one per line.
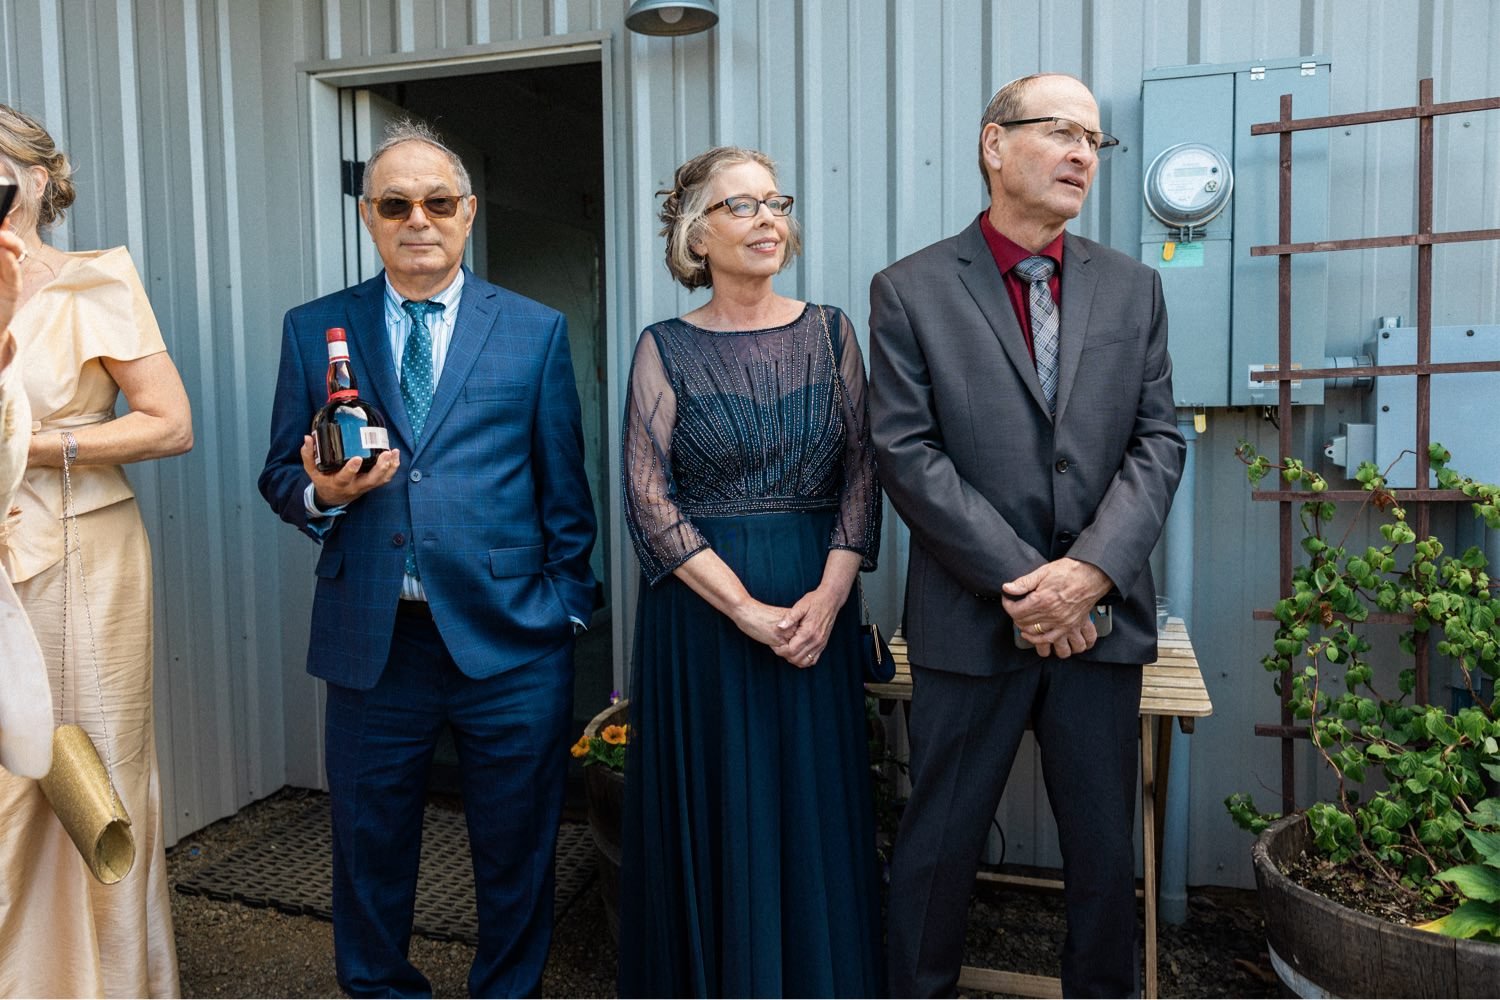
(748,845)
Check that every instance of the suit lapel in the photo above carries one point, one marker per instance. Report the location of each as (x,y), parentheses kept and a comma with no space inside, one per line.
(1078,282)
(982,278)
(477,311)
(373,340)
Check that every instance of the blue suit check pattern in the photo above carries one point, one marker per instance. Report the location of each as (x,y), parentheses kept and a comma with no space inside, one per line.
(1037,271)
(417,386)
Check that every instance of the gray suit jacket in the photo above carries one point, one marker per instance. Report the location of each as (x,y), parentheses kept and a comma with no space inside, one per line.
(993,487)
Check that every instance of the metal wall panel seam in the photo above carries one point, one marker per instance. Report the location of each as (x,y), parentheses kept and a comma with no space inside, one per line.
(250,756)
(333,30)
(8,43)
(900,121)
(618,289)
(133,186)
(54,105)
(479,21)
(406,26)
(810,272)
(209,372)
(634,212)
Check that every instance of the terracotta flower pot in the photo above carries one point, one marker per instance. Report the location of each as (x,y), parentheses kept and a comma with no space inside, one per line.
(1320,948)
(606,797)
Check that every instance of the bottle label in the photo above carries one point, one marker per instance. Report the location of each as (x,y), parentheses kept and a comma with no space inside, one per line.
(374,437)
(338,350)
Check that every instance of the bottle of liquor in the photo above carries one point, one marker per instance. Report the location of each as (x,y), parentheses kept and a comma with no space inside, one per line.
(347,427)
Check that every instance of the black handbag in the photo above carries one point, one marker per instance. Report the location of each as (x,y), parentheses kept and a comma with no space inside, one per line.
(878,664)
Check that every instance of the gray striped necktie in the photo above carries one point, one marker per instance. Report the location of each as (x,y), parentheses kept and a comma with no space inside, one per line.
(1044,323)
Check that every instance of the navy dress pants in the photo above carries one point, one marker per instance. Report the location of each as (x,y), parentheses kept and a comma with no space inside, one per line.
(511,732)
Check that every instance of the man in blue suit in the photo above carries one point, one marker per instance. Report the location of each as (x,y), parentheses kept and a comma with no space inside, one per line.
(453,575)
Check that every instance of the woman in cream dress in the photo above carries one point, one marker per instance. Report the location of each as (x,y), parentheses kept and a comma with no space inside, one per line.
(86,334)
(25,697)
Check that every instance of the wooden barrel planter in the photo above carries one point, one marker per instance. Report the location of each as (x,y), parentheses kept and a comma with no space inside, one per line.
(1320,948)
(606,798)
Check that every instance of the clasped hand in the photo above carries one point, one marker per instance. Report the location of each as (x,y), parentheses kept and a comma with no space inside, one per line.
(798,634)
(341,488)
(1051,605)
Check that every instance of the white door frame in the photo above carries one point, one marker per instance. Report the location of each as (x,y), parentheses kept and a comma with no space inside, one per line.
(321,81)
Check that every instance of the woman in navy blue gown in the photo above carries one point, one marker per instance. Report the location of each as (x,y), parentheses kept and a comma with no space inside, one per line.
(749,845)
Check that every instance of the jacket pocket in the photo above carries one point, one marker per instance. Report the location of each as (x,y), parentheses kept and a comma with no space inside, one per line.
(522,560)
(479,391)
(329,563)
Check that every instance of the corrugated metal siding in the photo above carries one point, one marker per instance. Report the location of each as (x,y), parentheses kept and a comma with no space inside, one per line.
(189,124)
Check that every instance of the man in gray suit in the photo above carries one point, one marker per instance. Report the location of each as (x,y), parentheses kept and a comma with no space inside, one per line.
(1021,406)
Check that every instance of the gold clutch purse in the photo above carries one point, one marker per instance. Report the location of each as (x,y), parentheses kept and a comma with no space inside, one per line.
(80,792)
(78,787)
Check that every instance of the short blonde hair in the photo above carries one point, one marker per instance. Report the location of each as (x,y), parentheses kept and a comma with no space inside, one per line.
(25,143)
(684,214)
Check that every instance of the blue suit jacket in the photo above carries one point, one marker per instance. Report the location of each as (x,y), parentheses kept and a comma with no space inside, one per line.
(495,496)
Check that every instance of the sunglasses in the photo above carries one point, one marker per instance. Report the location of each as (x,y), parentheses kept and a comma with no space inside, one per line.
(397,209)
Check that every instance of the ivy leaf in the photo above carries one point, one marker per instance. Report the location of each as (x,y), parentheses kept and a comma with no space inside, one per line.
(1487,844)
(1486,813)
(1474,881)
(1469,920)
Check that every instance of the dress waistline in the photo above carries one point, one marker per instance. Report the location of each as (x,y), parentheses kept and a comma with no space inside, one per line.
(759,505)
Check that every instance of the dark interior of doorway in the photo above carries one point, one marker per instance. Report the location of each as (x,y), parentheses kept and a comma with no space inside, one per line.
(540,132)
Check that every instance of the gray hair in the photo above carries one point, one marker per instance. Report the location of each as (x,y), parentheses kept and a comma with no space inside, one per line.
(411,130)
(1007,105)
(684,213)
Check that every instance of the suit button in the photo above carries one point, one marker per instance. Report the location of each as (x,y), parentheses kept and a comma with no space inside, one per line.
(398,540)
(1066,538)
(1062,465)
(416,475)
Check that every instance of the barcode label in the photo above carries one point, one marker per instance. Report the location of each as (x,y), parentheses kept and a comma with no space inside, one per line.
(374,437)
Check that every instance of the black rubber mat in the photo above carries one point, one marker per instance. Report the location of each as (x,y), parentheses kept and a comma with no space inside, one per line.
(290,867)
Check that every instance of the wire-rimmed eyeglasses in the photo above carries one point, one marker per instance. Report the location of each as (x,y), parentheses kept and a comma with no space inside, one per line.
(1067,133)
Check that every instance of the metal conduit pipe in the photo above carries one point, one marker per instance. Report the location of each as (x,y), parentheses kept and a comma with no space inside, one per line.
(1365,382)
(1172,892)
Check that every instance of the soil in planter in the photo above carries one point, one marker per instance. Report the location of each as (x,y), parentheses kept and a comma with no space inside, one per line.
(1359,886)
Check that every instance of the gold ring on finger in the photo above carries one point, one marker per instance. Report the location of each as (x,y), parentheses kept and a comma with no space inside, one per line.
(1037,628)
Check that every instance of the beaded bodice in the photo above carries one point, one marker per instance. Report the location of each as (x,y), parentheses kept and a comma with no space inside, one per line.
(732,423)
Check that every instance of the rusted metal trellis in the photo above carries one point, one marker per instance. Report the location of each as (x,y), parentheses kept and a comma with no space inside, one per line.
(1419,498)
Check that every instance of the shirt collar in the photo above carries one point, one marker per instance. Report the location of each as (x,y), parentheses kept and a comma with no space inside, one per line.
(447,298)
(1008,253)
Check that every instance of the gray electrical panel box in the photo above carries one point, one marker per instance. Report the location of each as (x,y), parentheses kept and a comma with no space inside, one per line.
(1209,195)
(1457,406)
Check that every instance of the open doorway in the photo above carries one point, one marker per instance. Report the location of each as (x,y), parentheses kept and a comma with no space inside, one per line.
(533,142)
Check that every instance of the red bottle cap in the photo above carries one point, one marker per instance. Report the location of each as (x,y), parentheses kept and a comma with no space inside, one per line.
(336,333)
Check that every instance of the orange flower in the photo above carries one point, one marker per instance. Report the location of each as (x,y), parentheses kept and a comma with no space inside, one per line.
(581,748)
(615,736)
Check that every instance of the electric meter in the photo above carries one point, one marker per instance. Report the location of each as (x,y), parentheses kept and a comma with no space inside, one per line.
(1187,185)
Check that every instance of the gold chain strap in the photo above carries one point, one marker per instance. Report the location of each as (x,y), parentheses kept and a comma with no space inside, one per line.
(73,542)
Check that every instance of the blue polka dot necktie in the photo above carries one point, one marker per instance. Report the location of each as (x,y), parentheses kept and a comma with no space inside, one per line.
(416,364)
(416,388)
(1037,271)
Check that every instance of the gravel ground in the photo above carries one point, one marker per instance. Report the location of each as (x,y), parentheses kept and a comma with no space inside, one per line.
(228,949)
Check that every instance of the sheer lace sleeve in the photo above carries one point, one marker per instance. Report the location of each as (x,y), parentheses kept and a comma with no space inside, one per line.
(858,526)
(664,537)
